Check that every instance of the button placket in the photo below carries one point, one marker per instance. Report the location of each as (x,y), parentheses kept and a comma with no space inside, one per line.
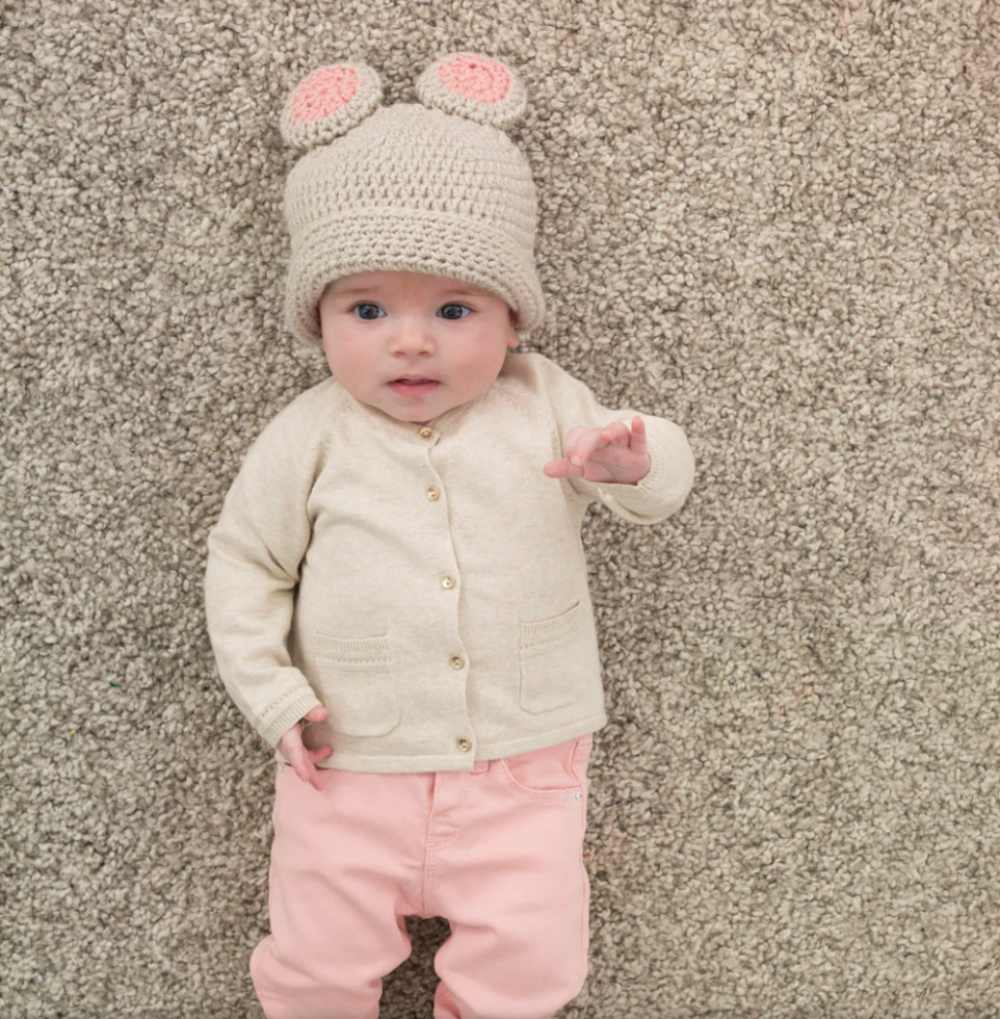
(448,583)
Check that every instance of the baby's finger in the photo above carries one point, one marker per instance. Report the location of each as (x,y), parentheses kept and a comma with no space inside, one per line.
(308,773)
(317,714)
(563,468)
(301,763)
(617,434)
(582,448)
(638,440)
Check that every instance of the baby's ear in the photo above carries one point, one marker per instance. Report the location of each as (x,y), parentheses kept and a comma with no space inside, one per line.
(475,86)
(329,102)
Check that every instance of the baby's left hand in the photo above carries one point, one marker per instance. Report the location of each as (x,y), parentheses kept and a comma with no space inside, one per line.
(611,454)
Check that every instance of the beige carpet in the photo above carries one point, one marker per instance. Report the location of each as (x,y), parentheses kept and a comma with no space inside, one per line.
(776,223)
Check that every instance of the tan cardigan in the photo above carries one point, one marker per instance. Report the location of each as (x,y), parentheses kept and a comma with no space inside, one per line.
(427,584)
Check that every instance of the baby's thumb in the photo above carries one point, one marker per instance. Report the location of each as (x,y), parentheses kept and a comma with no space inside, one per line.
(317,714)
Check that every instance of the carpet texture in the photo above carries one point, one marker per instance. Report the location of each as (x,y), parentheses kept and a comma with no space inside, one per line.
(775,223)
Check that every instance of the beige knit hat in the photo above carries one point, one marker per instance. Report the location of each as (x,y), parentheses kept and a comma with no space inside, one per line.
(437,188)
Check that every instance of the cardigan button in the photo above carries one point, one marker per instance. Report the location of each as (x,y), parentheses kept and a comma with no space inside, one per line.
(447,583)
(464,745)
(433,494)
(425,432)
(456,662)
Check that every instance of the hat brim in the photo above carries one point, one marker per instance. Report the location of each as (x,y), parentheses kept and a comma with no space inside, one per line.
(370,240)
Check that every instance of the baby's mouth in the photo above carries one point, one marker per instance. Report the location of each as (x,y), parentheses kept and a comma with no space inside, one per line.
(413,389)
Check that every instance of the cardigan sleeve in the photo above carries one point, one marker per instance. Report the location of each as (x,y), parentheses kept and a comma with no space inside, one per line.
(663,491)
(254,553)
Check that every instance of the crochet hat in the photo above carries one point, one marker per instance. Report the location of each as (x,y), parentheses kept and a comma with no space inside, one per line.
(435,186)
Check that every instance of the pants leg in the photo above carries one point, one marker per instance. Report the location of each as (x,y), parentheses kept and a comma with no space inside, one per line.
(346,868)
(497,851)
(509,876)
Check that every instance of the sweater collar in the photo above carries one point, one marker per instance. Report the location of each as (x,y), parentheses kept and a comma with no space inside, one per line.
(443,424)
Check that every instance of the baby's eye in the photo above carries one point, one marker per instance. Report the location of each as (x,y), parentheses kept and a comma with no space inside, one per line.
(365,304)
(458,318)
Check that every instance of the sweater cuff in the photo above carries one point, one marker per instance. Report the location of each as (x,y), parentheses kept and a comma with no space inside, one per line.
(302,702)
(653,498)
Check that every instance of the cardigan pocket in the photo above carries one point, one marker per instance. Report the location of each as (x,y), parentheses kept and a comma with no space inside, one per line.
(548,679)
(356,683)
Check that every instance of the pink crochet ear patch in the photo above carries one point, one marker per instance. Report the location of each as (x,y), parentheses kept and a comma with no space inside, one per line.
(475,77)
(473,85)
(325,91)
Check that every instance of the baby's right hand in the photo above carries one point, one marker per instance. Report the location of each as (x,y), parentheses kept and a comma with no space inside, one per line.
(296,752)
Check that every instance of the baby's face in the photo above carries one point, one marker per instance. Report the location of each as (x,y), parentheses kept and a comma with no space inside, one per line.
(379,326)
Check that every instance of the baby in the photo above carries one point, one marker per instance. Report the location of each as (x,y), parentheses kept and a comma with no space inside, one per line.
(396,589)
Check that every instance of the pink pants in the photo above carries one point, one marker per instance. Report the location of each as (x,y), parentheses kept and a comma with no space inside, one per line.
(497,852)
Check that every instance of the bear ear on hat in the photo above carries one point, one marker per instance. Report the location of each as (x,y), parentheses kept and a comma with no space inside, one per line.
(475,86)
(328,102)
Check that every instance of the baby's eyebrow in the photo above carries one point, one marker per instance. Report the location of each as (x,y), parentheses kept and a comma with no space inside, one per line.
(346,291)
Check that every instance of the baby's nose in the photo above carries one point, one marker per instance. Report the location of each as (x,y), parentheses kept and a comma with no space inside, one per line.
(412,336)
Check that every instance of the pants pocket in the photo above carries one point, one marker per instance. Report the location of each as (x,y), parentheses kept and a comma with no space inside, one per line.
(550,771)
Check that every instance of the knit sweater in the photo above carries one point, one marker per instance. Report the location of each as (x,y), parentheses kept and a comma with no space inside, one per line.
(427,583)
